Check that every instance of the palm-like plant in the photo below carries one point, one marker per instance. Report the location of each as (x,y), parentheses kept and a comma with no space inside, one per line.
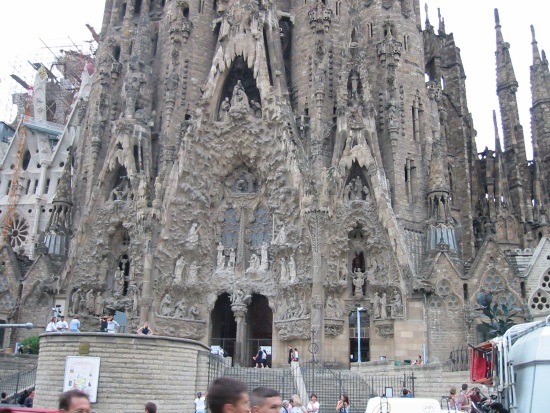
(500,313)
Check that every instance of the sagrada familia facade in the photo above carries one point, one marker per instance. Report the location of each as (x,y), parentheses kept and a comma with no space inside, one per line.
(247,172)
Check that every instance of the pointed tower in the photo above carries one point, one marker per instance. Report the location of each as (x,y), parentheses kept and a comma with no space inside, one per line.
(540,120)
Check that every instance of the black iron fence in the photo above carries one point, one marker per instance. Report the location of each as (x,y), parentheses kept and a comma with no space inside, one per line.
(460,359)
(16,383)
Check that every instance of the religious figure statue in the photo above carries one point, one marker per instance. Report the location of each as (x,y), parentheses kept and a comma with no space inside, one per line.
(281,237)
(343,270)
(180,309)
(376,306)
(75,300)
(90,302)
(254,263)
(193,236)
(239,100)
(193,272)
(292,269)
(193,312)
(264,264)
(178,271)
(397,305)
(158,188)
(134,294)
(98,303)
(383,309)
(224,109)
(164,307)
(220,260)
(239,298)
(118,282)
(358,283)
(284,271)
(232,259)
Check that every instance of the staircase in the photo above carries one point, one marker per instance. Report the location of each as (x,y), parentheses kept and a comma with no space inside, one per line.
(280,379)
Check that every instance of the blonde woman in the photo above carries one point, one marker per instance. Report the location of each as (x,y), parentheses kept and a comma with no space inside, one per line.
(297,406)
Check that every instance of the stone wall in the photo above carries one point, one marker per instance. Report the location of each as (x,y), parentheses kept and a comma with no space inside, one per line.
(14,363)
(134,370)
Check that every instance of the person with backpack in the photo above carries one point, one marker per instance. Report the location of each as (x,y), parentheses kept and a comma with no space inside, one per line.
(259,358)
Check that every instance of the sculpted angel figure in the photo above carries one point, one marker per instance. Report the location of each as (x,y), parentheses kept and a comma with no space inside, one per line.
(164,307)
(193,235)
(220,259)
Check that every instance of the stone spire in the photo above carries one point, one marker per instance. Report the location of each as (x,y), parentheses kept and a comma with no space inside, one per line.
(502,193)
(507,87)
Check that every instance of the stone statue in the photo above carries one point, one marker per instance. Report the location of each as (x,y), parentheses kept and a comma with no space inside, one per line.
(134,294)
(397,305)
(158,187)
(383,310)
(254,263)
(239,100)
(376,306)
(98,303)
(193,236)
(118,282)
(164,307)
(347,192)
(193,312)
(281,237)
(224,109)
(193,272)
(284,271)
(292,269)
(358,283)
(343,270)
(178,270)
(180,309)
(75,300)
(220,260)
(232,258)
(239,298)
(264,264)
(90,302)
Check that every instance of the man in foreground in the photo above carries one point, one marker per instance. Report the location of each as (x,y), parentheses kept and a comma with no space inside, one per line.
(265,400)
(74,401)
(150,407)
(227,395)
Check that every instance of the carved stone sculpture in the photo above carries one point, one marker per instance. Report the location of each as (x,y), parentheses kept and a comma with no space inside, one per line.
(376,306)
(284,271)
(292,269)
(383,308)
(192,236)
(164,307)
(264,264)
(98,303)
(220,259)
(358,283)
(178,271)
(281,237)
(397,305)
(90,302)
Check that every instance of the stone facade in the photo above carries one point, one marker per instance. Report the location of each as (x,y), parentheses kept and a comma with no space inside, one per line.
(250,173)
(133,370)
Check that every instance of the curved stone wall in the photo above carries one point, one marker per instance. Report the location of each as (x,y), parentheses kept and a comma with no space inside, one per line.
(134,369)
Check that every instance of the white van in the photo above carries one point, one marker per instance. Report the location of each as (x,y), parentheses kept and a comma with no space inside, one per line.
(403,405)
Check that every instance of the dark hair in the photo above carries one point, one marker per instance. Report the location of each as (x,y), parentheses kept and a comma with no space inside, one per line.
(405,392)
(312,395)
(346,398)
(151,407)
(4,394)
(259,394)
(464,386)
(224,390)
(66,398)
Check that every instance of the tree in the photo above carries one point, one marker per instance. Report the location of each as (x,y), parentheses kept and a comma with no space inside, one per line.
(500,314)
(33,342)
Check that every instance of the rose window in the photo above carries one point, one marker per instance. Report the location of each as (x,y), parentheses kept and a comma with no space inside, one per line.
(453,302)
(444,287)
(546,281)
(7,302)
(494,282)
(436,303)
(540,301)
(19,232)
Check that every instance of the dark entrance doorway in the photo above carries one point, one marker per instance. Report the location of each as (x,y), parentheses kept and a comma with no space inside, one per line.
(260,323)
(224,327)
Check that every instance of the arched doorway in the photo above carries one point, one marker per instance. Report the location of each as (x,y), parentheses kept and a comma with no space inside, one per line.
(260,327)
(224,326)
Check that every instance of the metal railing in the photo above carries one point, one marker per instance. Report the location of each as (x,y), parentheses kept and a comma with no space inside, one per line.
(16,383)
(460,359)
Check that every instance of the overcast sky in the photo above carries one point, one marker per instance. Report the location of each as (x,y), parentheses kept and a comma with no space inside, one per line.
(25,22)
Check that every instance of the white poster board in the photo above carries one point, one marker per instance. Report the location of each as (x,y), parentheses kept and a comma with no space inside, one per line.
(82,373)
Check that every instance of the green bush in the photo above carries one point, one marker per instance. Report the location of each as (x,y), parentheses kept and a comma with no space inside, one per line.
(34,342)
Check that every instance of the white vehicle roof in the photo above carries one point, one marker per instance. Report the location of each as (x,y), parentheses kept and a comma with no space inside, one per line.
(403,405)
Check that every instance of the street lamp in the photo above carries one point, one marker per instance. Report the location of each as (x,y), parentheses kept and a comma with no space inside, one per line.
(359,309)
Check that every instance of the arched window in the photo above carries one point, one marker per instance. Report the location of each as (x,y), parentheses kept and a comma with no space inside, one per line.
(259,230)
(230,229)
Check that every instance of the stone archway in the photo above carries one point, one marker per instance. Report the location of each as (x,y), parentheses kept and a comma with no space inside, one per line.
(223,331)
(260,327)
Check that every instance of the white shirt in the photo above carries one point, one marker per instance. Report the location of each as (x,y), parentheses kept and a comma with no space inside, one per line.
(313,407)
(51,327)
(112,326)
(62,326)
(199,403)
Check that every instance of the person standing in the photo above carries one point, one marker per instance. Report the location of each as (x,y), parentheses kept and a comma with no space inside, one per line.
(297,406)
(112,325)
(290,354)
(265,400)
(74,325)
(200,403)
(74,401)
(343,404)
(145,330)
(62,325)
(463,401)
(21,349)
(264,359)
(4,398)
(313,405)
(287,407)
(296,354)
(51,327)
(227,395)
(29,400)
(258,358)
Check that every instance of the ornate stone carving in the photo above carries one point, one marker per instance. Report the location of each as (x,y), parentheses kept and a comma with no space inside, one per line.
(384,328)
(295,329)
(333,327)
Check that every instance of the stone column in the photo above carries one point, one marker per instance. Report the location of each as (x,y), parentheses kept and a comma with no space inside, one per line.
(146,302)
(240,317)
